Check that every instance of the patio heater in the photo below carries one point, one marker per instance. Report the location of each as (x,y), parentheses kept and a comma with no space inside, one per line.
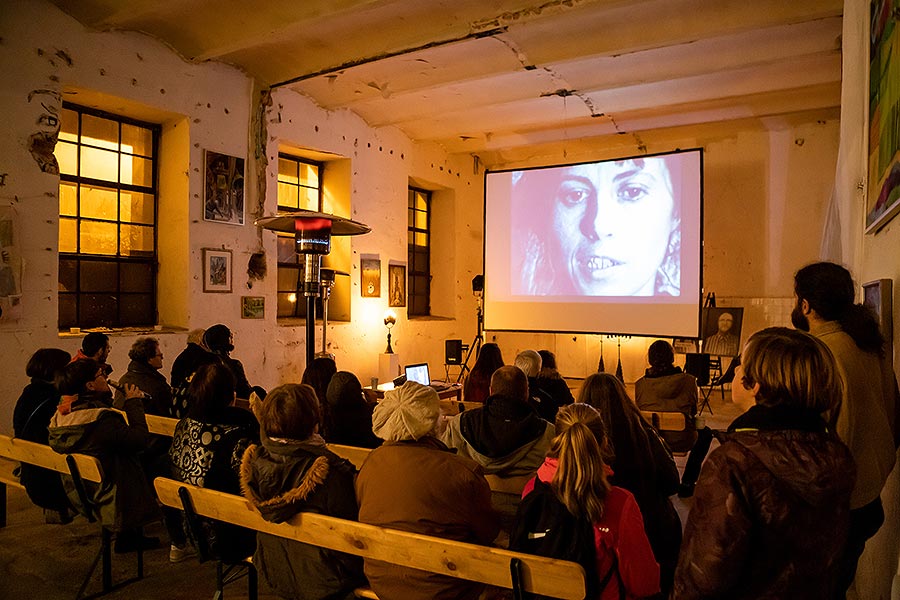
(312,239)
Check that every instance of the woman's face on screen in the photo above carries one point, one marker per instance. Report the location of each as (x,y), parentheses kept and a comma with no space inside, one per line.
(612,223)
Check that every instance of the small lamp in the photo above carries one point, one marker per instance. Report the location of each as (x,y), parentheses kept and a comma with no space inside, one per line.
(389,319)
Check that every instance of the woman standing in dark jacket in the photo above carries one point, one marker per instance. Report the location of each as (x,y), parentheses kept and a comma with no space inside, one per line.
(771,509)
(478,384)
(642,464)
(293,471)
(31,419)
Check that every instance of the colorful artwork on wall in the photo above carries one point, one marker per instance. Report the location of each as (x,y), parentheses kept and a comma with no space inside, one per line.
(223,200)
(883,198)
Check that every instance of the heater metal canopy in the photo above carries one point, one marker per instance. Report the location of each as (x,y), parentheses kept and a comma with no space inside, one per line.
(287,222)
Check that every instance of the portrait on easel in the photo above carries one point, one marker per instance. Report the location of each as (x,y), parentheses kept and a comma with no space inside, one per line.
(722,331)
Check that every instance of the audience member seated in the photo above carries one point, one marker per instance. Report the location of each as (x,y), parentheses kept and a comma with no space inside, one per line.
(31,418)
(771,510)
(291,472)
(86,423)
(95,345)
(194,356)
(144,372)
(642,464)
(665,387)
(206,451)
(529,361)
(318,374)
(478,383)
(576,472)
(415,483)
(219,340)
(506,437)
(551,382)
(350,413)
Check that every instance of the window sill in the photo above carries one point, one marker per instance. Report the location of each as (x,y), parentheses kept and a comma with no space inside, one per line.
(301,322)
(121,331)
(429,318)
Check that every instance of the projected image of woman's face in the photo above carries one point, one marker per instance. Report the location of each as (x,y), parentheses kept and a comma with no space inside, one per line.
(612,223)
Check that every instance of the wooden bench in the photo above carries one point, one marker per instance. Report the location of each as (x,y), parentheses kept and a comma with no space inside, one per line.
(81,468)
(161,425)
(493,566)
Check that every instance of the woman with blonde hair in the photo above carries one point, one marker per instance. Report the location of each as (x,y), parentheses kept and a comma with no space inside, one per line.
(575,470)
(772,507)
(642,464)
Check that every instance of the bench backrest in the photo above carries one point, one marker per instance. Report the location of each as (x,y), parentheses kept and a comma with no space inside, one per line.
(666,420)
(540,575)
(161,425)
(44,456)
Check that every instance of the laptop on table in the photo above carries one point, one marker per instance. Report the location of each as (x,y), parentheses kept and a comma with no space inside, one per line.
(419,373)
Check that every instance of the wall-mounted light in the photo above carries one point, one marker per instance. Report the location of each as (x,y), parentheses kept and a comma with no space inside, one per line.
(390,317)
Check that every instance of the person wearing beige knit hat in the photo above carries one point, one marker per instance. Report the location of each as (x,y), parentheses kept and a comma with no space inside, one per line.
(415,483)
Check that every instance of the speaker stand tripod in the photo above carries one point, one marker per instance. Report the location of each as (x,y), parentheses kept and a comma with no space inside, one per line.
(475,346)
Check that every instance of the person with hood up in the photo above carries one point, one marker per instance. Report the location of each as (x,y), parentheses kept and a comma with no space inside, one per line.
(771,510)
(293,471)
(506,437)
(194,356)
(220,342)
(415,483)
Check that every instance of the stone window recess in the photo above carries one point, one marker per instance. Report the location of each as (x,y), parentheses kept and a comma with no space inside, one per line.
(107,219)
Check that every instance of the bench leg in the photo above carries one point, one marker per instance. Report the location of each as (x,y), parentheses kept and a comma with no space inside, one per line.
(106,549)
(252,585)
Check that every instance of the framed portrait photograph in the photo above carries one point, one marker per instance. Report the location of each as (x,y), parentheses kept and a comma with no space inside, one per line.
(396,285)
(370,277)
(223,188)
(722,331)
(878,296)
(253,307)
(216,270)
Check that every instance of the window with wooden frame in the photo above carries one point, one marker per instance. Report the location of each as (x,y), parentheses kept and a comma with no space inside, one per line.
(299,188)
(419,243)
(107,219)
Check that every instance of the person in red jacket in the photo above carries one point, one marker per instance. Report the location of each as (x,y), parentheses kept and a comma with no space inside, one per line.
(576,456)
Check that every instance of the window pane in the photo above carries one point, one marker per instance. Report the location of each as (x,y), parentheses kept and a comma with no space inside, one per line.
(287,279)
(286,252)
(137,309)
(137,171)
(309,175)
(137,140)
(421,239)
(67,313)
(420,201)
(67,157)
(101,132)
(411,218)
(98,237)
(99,203)
(287,195)
(68,129)
(99,164)
(420,283)
(286,308)
(97,310)
(309,199)
(421,220)
(99,276)
(287,171)
(135,207)
(137,277)
(410,238)
(420,305)
(136,240)
(420,262)
(68,275)
(68,235)
(68,199)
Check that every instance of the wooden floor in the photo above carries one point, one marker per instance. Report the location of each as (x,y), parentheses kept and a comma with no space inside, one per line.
(48,562)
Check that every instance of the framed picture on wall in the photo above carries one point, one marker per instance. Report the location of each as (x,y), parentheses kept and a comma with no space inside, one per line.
(216,270)
(883,194)
(722,331)
(877,295)
(370,277)
(253,307)
(223,189)
(396,285)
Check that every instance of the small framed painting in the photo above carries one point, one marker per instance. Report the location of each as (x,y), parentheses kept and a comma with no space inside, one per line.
(253,307)
(396,285)
(216,270)
(370,277)
(223,189)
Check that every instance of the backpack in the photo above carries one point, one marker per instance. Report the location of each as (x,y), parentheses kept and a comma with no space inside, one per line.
(545,527)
